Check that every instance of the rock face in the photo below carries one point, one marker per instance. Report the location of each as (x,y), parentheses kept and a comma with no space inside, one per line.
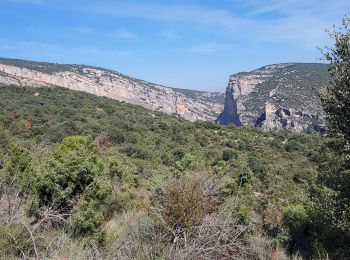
(188,104)
(280,96)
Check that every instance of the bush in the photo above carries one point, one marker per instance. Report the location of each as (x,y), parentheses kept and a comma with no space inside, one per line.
(57,180)
(86,220)
(185,162)
(185,202)
(258,167)
(71,180)
(229,154)
(295,217)
(245,176)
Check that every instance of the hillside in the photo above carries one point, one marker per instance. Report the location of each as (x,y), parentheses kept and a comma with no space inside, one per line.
(83,176)
(189,104)
(280,96)
(274,97)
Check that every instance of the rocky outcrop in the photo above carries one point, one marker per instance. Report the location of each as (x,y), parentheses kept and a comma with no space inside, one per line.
(230,113)
(191,105)
(274,97)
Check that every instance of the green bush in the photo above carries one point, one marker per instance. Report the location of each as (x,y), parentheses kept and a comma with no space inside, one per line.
(228,154)
(72,179)
(245,175)
(185,162)
(295,217)
(259,169)
(56,180)
(86,220)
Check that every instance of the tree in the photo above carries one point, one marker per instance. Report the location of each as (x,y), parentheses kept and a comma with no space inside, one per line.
(336,100)
(331,215)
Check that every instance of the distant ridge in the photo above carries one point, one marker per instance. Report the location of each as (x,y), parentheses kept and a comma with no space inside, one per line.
(189,104)
(277,96)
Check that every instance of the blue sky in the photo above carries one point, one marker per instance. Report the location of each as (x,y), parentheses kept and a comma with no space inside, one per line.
(192,44)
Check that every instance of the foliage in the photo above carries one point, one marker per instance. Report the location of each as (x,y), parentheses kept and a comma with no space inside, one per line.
(331,207)
(87,166)
(295,217)
(185,202)
(336,101)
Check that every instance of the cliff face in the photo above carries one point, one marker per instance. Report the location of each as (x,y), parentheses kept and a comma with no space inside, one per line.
(280,96)
(230,113)
(188,104)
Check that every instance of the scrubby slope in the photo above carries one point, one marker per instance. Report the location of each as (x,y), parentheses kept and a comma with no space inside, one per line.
(133,163)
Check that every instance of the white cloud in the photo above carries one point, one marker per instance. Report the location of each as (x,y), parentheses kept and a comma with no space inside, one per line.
(85,30)
(124,34)
(209,48)
(35,2)
(170,35)
(54,52)
(166,12)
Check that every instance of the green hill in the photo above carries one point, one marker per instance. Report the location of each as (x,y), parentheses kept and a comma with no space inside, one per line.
(85,176)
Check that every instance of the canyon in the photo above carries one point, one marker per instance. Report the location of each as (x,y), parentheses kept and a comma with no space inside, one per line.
(273,97)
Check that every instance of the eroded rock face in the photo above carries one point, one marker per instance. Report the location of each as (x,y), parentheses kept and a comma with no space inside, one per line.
(103,82)
(274,97)
(230,113)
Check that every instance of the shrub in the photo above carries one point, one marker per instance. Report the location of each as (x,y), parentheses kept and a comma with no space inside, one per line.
(57,180)
(229,154)
(86,220)
(185,162)
(116,136)
(179,154)
(292,146)
(245,176)
(295,217)
(216,237)
(185,202)
(70,181)
(19,160)
(258,167)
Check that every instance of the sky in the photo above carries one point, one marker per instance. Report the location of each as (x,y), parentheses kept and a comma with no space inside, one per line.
(193,44)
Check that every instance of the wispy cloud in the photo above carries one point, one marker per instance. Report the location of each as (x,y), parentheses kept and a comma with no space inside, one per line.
(209,48)
(125,34)
(170,35)
(35,2)
(85,30)
(54,52)
(166,12)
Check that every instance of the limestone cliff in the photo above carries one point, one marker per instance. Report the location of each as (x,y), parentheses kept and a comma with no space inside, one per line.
(279,96)
(188,104)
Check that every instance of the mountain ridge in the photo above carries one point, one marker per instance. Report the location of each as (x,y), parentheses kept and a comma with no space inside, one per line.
(272,97)
(277,96)
(189,104)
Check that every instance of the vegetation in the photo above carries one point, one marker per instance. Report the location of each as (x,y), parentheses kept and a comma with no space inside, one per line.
(86,177)
(332,207)
(112,180)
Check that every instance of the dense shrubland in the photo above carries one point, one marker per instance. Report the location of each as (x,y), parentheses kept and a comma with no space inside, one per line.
(88,177)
